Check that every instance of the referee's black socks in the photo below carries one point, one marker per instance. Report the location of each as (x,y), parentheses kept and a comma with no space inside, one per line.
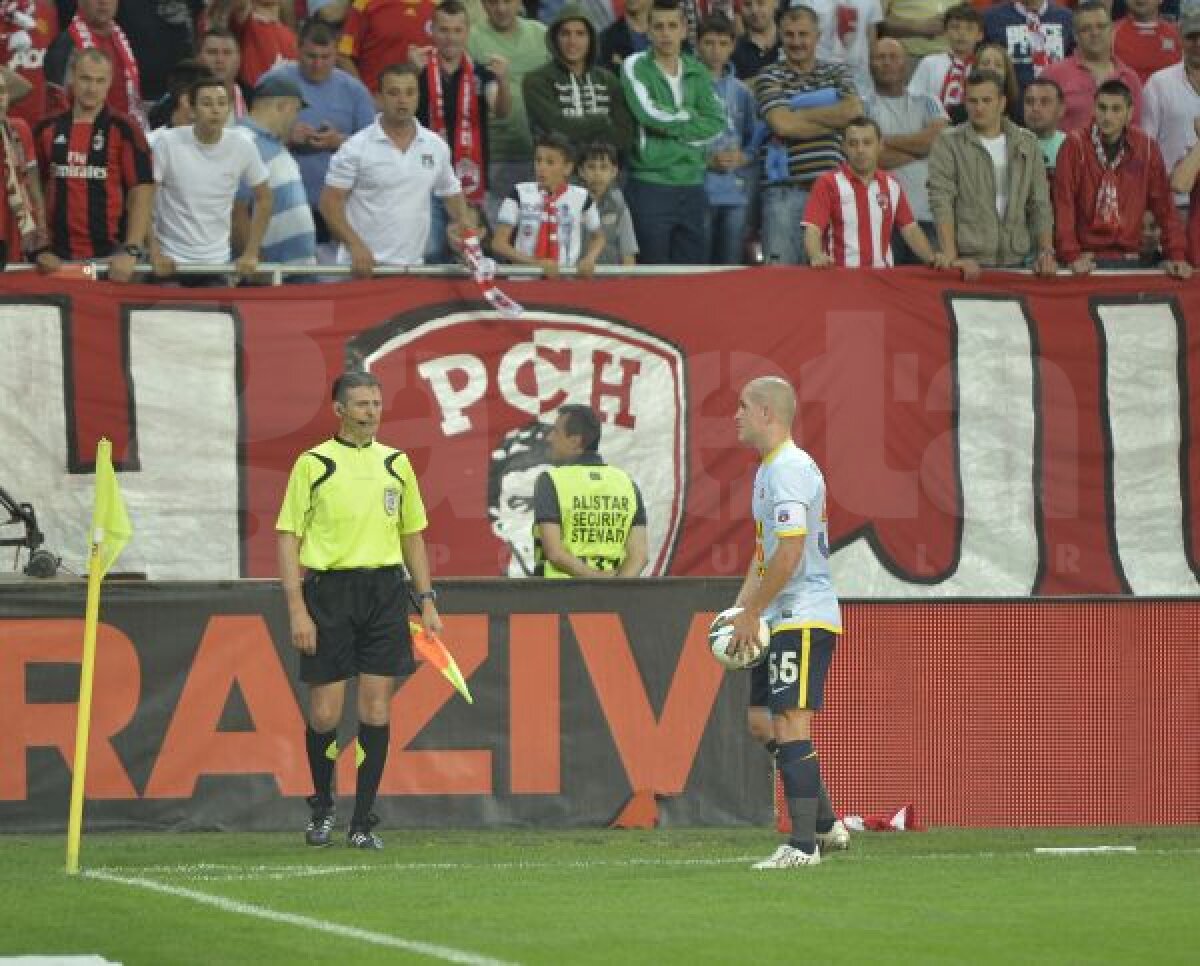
(373,739)
(322,756)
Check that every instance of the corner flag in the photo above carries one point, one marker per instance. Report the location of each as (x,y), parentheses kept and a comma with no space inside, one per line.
(111,528)
(110,532)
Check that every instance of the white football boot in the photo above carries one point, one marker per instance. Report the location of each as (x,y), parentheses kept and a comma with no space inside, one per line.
(788,857)
(837,839)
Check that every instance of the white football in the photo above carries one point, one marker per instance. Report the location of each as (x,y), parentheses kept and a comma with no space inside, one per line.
(720,634)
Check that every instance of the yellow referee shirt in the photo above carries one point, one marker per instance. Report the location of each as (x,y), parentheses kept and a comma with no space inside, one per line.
(350,505)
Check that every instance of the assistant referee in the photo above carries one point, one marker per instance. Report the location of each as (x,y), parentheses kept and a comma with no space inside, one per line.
(352,518)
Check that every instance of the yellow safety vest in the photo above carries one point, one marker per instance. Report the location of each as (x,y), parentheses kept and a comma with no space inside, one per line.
(596,506)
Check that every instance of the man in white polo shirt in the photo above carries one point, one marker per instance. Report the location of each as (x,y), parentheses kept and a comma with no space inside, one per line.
(380,184)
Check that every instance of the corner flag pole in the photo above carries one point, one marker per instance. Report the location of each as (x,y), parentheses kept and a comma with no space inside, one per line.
(110,532)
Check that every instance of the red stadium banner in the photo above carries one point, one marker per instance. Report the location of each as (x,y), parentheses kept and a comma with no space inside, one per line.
(1008,438)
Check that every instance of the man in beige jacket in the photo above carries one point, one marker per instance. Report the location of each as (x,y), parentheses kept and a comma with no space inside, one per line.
(988,189)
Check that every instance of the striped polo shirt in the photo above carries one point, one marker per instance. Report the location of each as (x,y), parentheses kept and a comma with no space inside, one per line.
(781,85)
(291,233)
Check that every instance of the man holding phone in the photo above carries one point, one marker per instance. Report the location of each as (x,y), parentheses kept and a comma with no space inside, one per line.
(337,106)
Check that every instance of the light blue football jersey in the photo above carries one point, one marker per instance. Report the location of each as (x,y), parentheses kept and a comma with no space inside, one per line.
(789,500)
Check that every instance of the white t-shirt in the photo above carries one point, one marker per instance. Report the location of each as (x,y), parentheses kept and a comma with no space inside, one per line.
(674,81)
(908,114)
(193,207)
(997,147)
(843,35)
(388,204)
(576,215)
(1169,106)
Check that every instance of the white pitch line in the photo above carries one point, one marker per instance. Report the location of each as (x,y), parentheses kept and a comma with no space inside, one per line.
(228,872)
(432,950)
(216,872)
(1084,849)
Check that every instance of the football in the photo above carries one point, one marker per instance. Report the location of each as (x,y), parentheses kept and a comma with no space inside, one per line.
(720,633)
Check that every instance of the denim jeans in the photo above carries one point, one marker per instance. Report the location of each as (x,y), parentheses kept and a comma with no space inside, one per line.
(727,234)
(437,249)
(671,222)
(782,228)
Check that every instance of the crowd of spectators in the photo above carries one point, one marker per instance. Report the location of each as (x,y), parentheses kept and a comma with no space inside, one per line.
(217,133)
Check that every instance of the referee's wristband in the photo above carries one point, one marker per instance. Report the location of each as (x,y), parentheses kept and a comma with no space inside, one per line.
(426,595)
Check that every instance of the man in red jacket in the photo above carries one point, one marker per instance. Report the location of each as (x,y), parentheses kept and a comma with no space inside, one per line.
(1108,176)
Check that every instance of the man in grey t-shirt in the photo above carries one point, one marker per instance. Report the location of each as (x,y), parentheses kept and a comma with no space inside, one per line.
(909,123)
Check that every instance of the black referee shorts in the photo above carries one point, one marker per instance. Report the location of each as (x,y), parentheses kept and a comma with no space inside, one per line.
(362,625)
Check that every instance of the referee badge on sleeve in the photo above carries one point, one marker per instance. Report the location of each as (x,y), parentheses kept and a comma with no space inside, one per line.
(391,501)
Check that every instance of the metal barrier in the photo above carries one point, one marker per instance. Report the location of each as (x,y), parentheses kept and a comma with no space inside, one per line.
(279,271)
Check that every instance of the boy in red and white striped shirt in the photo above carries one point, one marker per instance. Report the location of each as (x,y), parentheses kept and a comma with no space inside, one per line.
(852,211)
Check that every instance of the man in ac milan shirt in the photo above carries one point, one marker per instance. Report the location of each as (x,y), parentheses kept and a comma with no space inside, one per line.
(852,210)
(99,176)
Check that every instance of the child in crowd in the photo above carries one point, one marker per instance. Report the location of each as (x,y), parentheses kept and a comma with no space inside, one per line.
(944,76)
(598,170)
(556,223)
(729,181)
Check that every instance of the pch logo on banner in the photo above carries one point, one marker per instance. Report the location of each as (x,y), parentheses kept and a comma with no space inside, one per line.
(472,397)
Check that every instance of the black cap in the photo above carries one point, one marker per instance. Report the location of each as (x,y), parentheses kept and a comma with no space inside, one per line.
(278,87)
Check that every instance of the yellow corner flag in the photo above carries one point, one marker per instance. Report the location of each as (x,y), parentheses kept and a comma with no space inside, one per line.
(110,532)
(111,528)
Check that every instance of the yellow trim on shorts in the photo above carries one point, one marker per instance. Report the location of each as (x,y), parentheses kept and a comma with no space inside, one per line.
(803,626)
(805,651)
(791,533)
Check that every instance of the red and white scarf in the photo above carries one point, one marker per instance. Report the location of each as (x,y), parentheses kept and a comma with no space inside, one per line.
(547,240)
(1107,213)
(483,272)
(84,39)
(20,202)
(1039,56)
(954,83)
(466,146)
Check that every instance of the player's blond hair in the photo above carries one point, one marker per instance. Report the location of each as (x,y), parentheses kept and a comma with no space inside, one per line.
(776,395)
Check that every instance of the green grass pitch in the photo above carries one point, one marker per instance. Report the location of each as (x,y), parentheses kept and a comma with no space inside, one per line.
(670,896)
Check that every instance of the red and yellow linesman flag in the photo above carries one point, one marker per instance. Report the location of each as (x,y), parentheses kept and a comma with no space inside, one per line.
(110,532)
(430,647)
